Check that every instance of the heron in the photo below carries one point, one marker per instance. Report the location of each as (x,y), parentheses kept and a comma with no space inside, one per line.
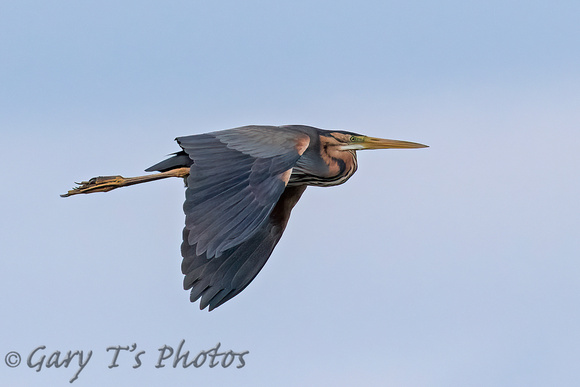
(241,185)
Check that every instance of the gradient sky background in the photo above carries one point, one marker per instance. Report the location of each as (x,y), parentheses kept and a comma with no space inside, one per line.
(456,265)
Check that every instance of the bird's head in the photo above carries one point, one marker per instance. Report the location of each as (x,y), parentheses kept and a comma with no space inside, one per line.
(345,141)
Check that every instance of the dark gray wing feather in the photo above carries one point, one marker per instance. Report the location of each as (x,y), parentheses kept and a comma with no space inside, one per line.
(236,178)
(217,280)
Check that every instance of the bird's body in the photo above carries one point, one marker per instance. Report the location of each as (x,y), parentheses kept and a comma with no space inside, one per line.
(242,184)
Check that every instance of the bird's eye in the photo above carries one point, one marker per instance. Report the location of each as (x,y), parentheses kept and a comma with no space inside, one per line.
(353,138)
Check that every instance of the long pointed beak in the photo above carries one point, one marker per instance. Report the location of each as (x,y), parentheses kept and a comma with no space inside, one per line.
(380,143)
(364,142)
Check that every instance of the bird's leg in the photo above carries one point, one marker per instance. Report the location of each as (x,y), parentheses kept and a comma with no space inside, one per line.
(107,183)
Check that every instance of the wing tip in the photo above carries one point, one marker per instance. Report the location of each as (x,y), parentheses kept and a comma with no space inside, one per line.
(211,299)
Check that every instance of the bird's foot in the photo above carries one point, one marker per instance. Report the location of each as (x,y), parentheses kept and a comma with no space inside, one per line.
(96,184)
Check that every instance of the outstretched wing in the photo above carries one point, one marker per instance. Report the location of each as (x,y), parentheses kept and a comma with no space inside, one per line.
(237,178)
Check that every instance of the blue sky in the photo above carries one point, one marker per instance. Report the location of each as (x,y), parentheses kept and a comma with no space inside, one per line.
(455,265)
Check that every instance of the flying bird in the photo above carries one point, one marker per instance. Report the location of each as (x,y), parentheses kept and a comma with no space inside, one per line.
(241,185)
